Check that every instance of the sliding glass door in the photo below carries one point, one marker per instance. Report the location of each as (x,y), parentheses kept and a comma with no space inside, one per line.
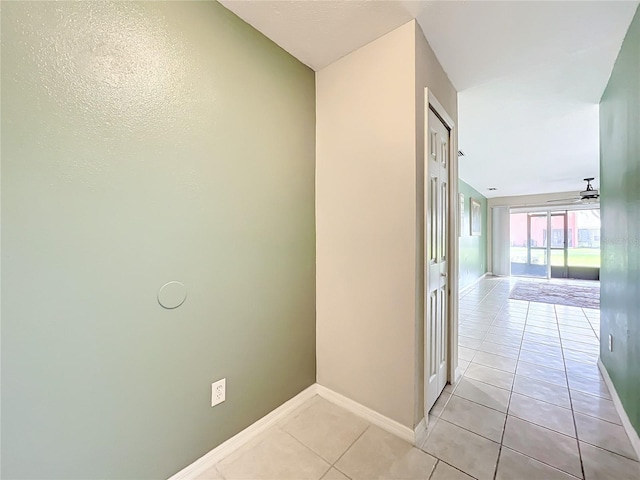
(537,226)
(529,244)
(562,244)
(583,249)
(558,245)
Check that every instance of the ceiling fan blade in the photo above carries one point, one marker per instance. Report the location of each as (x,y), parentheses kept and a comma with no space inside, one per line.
(565,200)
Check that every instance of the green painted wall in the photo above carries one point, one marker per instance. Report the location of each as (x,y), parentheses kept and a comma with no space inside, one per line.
(473,250)
(144,143)
(620,211)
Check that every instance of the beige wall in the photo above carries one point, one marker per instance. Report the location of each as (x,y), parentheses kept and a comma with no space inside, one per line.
(369,110)
(428,74)
(365,224)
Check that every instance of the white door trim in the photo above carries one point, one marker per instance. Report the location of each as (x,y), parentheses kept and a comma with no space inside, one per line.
(452,262)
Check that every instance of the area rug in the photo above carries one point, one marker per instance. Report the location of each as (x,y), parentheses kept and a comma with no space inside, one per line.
(573,295)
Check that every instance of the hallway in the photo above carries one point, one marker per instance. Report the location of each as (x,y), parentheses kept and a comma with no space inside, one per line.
(531,405)
(531,394)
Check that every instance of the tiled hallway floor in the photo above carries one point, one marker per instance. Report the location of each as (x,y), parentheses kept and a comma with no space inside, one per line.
(532,400)
(531,405)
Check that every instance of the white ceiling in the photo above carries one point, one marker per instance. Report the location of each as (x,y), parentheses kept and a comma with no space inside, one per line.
(319,32)
(529,74)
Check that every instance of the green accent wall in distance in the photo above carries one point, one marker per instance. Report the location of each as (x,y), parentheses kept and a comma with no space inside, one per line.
(620,212)
(473,249)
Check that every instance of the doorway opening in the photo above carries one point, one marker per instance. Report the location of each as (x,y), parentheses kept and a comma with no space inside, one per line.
(556,244)
(439,263)
(437,255)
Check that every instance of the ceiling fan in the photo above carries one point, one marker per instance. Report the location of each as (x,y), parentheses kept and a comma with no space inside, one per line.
(589,195)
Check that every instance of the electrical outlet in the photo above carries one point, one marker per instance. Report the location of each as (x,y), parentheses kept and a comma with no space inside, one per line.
(218,392)
(610,343)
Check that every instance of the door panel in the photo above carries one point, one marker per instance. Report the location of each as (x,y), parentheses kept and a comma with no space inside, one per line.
(442,336)
(558,245)
(444,202)
(436,285)
(432,245)
(432,309)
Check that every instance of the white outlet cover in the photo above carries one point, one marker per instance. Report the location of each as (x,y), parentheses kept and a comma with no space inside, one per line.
(218,392)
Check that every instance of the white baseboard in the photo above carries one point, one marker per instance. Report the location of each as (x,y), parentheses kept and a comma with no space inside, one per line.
(472,284)
(372,416)
(420,433)
(626,423)
(458,375)
(226,448)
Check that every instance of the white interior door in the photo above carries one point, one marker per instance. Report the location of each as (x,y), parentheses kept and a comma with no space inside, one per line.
(436,285)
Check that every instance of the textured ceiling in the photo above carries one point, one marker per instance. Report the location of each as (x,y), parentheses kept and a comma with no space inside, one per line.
(529,74)
(319,32)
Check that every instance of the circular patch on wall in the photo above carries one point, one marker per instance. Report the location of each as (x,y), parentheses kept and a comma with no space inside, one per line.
(172,295)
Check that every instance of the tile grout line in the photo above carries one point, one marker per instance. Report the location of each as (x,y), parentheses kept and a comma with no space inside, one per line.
(542,400)
(492,320)
(435,465)
(485,383)
(501,445)
(483,337)
(597,418)
(452,466)
(541,426)
(562,346)
(310,449)
(439,418)
(466,430)
(518,360)
(617,454)
(511,393)
(543,463)
(481,404)
(589,322)
(573,413)
(485,296)
(333,465)
(215,468)
(506,417)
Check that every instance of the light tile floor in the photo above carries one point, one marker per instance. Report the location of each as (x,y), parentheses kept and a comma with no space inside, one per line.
(531,405)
